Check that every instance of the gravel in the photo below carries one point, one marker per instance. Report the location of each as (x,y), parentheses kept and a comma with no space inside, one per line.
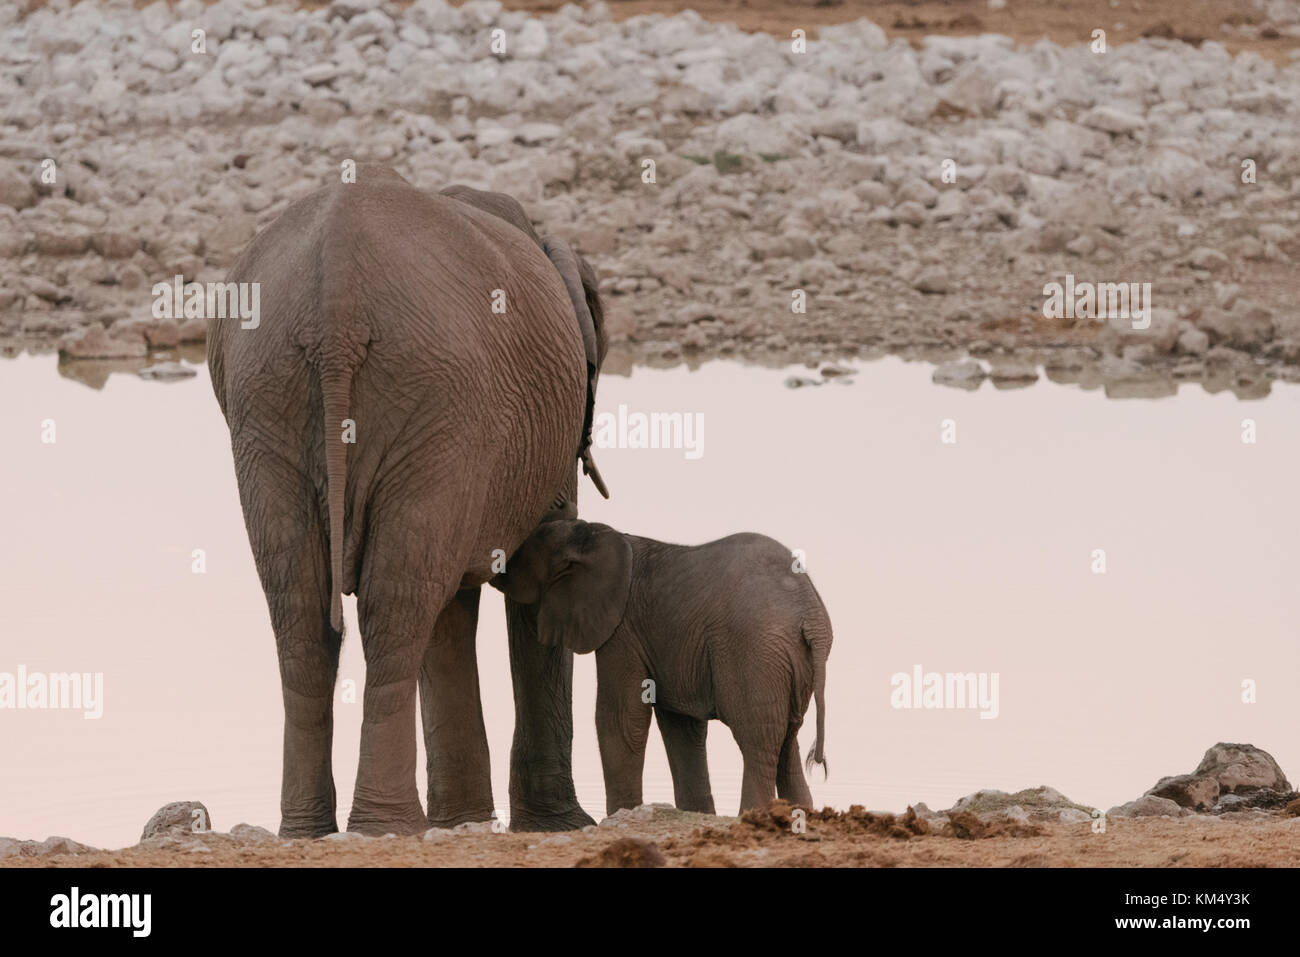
(921,198)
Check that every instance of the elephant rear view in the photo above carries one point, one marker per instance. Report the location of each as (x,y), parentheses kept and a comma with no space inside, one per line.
(411,401)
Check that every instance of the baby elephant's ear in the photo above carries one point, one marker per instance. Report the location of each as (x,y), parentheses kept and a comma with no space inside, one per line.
(584,604)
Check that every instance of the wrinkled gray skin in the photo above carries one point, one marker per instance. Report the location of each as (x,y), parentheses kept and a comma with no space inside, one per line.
(725,630)
(376,307)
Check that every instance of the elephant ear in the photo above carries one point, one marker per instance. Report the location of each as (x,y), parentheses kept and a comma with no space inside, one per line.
(584,603)
(497,204)
(582,285)
(580,282)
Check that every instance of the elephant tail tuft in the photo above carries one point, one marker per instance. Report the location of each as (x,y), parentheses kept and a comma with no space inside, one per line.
(817,635)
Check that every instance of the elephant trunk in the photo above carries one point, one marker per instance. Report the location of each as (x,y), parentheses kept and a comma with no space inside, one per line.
(817,635)
(335,389)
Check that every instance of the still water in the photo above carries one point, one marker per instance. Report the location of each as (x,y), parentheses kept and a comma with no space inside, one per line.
(970,556)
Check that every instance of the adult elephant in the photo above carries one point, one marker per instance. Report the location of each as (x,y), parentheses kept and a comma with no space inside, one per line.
(411,402)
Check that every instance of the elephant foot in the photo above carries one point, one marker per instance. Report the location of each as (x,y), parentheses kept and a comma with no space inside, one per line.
(378,821)
(310,829)
(446,818)
(571,819)
(697,806)
(308,819)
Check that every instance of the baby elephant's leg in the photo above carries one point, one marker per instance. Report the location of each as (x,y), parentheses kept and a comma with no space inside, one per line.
(760,747)
(791,785)
(684,740)
(622,728)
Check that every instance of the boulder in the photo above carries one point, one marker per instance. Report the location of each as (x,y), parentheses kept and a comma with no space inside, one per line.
(1110,119)
(178,819)
(748,133)
(115,244)
(1175,175)
(933,279)
(1247,326)
(1161,333)
(1193,342)
(965,374)
(251,833)
(974,89)
(17,185)
(1211,260)
(13,847)
(63,239)
(632,815)
(1188,790)
(1230,777)
(1042,804)
(162,334)
(1242,769)
(531,41)
(94,342)
(1148,805)
(475,827)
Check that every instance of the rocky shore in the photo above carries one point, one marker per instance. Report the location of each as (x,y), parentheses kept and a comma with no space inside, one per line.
(1234,784)
(912,198)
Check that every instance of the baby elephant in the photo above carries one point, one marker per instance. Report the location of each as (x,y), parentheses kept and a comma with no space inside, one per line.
(725,630)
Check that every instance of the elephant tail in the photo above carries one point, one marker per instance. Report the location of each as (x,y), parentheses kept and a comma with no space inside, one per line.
(336,387)
(817,635)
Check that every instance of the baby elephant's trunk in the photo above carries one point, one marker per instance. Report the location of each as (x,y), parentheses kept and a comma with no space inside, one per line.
(817,635)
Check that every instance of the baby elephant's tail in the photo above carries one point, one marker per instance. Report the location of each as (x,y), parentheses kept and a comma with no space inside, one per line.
(817,635)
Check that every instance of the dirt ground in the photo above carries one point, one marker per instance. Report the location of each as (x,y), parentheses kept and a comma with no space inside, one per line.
(832,839)
(1027,21)
(1234,23)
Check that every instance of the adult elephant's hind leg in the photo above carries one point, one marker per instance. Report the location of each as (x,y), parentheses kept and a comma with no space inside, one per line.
(397,612)
(455,741)
(291,550)
(542,797)
(309,662)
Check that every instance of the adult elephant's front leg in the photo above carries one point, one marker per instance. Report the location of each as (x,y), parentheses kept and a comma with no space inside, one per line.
(455,741)
(542,796)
